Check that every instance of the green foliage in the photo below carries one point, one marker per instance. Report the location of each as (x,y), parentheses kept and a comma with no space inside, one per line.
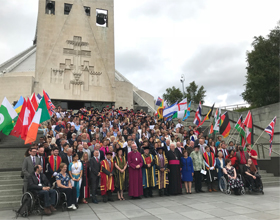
(262,79)
(195,95)
(173,95)
(243,109)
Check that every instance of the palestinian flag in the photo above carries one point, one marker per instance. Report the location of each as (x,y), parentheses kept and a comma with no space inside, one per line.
(241,130)
(180,114)
(208,116)
(40,116)
(216,121)
(248,122)
(224,125)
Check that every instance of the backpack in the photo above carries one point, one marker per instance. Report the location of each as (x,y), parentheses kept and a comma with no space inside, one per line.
(25,208)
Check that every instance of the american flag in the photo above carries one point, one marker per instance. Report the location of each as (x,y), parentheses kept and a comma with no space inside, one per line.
(270,131)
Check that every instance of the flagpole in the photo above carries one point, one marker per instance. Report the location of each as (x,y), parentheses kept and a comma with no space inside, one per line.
(232,136)
(258,138)
(206,128)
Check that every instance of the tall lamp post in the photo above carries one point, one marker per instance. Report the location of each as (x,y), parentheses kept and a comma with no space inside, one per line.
(182,81)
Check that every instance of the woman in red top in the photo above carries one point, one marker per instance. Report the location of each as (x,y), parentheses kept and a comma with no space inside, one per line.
(232,156)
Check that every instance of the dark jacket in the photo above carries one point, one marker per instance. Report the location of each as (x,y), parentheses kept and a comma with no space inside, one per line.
(94,167)
(33,182)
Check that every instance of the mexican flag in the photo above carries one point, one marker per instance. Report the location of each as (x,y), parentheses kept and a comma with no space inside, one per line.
(180,114)
(216,121)
(40,116)
(7,116)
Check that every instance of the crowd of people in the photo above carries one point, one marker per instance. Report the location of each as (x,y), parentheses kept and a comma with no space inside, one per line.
(117,150)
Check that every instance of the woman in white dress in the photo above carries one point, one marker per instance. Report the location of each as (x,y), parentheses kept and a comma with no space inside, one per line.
(76,173)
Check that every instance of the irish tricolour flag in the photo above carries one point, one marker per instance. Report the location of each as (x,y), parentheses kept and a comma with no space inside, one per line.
(7,114)
(40,116)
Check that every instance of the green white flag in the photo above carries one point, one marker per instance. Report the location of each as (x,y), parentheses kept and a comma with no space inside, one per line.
(180,114)
(7,116)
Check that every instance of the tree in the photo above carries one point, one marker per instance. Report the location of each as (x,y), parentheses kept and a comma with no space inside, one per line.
(262,78)
(173,95)
(195,95)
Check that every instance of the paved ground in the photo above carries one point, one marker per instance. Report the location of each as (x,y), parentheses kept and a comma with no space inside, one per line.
(194,206)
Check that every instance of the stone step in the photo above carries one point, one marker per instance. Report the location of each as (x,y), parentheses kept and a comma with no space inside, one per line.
(11,186)
(10,198)
(270,183)
(11,181)
(10,205)
(10,173)
(5,192)
(12,177)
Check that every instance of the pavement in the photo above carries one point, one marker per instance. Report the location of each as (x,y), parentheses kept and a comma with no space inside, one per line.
(215,205)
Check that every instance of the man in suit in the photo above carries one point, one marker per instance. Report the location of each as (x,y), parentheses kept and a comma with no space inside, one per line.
(167,145)
(28,166)
(38,183)
(224,149)
(127,149)
(94,168)
(67,159)
(63,154)
(42,157)
(101,153)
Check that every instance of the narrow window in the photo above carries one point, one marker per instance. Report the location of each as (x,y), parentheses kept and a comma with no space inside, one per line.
(101,17)
(87,10)
(50,7)
(67,8)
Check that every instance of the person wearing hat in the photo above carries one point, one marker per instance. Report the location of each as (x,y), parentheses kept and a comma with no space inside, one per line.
(107,178)
(121,176)
(161,164)
(148,172)
(198,166)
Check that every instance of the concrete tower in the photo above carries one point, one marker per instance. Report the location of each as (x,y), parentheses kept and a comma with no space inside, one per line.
(75,58)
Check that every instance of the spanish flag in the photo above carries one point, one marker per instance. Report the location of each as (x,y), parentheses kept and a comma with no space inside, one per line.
(225,125)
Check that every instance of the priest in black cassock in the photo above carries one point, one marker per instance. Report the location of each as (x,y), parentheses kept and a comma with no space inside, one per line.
(174,176)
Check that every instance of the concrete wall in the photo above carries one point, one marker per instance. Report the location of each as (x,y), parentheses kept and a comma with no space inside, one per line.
(147,97)
(69,69)
(15,86)
(124,94)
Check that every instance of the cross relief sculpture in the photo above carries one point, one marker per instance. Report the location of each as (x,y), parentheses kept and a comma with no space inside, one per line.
(77,71)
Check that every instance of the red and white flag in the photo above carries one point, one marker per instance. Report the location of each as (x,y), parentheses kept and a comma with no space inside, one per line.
(29,113)
(34,101)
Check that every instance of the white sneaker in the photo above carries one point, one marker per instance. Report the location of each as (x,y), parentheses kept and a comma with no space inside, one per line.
(70,207)
(74,207)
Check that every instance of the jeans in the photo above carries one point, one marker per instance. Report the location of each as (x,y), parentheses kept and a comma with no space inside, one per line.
(49,197)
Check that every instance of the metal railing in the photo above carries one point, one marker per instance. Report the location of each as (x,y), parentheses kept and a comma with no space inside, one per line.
(264,147)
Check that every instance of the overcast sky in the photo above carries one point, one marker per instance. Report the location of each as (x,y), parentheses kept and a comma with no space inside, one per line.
(156,41)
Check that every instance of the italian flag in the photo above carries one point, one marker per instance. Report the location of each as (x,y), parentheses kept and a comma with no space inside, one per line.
(40,116)
(180,114)
(7,116)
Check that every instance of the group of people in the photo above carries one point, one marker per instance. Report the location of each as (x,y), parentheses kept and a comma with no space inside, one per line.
(120,150)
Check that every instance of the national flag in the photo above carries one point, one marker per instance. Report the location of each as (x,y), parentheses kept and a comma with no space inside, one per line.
(19,104)
(170,110)
(41,115)
(211,130)
(165,104)
(158,102)
(39,97)
(208,116)
(240,127)
(225,125)
(27,119)
(49,103)
(270,131)
(197,118)
(34,101)
(216,121)
(18,127)
(160,109)
(188,111)
(248,122)
(183,105)
(7,117)
(180,114)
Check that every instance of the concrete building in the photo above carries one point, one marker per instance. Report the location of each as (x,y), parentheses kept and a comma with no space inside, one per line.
(73,59)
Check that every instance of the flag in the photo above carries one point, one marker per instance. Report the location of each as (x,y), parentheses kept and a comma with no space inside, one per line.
(270,131)
(248,122)
(225,125)
(240,127)
(170,110)
(188,111)
(49,103)
(160,109)
(34,102)
(165,104)
(208,116)
(29,113)
(18,127)
(40,116)
(39,97)
(7,116)
(180,114)
(216,121)
(211,130)
(19,104)
(158,102)
(183,105)
(197,118)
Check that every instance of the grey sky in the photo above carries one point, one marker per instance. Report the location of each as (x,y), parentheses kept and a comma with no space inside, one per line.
(156,41)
